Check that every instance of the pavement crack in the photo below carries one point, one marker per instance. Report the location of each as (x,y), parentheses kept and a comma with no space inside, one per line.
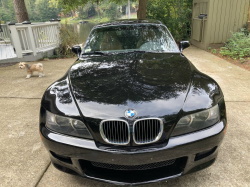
(40,178)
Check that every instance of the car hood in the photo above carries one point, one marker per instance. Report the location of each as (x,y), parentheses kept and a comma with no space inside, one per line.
(154,84)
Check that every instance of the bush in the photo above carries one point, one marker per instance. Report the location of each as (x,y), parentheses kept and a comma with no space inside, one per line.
(214,51)
(87,11)
(68,38)
(175,14)
(112,11)
(238,46)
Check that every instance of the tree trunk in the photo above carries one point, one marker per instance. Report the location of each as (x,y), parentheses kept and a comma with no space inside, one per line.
(141,13)
(72,13)
(98,10)
(21,11)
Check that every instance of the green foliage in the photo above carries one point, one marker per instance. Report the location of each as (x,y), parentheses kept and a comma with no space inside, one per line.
(69,5)
(105,9)
(31,6)
(69,20)
(238,46)
(175,14)
(245,29)
(45,56)
(214,51)
(38,10)
(242,60)
(43,12)
(68,38)
(87,11)
(7,11)
(111,11)
(122,2)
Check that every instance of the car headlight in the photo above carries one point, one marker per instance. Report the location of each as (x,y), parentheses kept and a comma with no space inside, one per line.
(197,121)
(67,126)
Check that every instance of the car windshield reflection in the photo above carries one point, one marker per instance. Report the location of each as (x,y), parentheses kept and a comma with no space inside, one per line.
(130,38)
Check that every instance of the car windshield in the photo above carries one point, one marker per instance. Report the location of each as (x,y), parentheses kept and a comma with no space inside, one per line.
(126,38)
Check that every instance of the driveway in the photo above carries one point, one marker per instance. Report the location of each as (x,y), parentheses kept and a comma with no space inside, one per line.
(25,162)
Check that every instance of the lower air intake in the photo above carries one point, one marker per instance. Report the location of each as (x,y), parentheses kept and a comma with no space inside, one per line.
(134,167)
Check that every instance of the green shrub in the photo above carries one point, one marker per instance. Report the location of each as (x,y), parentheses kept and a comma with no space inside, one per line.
(238,46)
(87,11)
(112,12)
(175,14)
(68,38)
(214,51)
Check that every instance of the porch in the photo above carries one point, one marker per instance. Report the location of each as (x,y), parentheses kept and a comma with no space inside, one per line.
(7,52)
(28,41)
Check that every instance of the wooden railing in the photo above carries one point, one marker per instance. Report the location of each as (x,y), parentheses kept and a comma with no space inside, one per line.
(34,38)
(46,35)
(4,36)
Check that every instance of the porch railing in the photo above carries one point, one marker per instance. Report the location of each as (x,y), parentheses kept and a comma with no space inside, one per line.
(34,38)
(46,35)
(5,35)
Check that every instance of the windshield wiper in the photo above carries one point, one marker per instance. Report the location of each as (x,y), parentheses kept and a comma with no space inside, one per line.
(138,51)
(95,52)
(103,53)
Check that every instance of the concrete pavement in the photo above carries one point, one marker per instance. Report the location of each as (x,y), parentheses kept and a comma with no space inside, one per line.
(25,162)
(23,158)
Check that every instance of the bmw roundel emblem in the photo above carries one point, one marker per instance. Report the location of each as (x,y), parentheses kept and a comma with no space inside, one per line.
(130,114)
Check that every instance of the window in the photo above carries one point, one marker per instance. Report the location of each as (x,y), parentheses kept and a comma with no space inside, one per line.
(155,38)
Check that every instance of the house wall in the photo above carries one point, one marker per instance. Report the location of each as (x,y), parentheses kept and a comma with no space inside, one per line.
(227,16)
(248,22)
(200,33)
(224,17)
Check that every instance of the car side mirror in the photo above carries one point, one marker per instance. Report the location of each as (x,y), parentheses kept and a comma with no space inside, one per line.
(183,45)
(76,49)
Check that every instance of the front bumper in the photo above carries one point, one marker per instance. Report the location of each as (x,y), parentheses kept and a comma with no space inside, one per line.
(191,152)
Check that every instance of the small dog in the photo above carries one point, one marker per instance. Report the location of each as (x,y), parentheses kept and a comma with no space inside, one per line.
(30,69)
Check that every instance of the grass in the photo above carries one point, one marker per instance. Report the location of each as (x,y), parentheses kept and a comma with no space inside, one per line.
(132,16)
(68,20)
(94,19)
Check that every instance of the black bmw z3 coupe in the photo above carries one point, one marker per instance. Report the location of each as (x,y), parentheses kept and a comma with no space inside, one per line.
(132,109)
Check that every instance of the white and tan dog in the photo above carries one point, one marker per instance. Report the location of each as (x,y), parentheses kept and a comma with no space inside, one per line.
(30,69)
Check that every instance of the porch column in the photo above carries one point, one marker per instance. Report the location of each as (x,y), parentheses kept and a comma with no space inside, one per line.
(15,40)
(30,37)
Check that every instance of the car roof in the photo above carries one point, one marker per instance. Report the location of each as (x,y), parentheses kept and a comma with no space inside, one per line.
(127,21)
